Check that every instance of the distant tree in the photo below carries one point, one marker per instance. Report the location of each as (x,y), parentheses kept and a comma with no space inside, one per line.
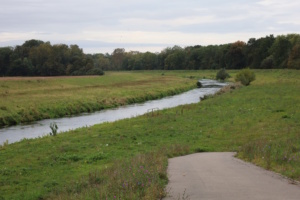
(267,63)
(60,58)
(176,59)
(280,51)
(27,45)
(210,58)
(149,61)
(39,57)
(32,43)
(117,58)
(224,62)
(102,62)
(163,55)
(77,61)
(294,39)
(20,67)
(258,50)
(294,58)
(5,54)
(194,57)
(135,61)
(236,55)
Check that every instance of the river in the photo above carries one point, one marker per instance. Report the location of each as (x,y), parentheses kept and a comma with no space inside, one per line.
(41,128)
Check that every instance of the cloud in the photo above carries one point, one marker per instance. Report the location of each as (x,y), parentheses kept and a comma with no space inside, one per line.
(145,23)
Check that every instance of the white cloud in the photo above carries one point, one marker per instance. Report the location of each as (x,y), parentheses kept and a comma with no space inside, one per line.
(166,24)
(278,3)
(145,23)
(266,2)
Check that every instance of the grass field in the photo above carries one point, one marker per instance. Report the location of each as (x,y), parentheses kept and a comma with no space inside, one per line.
(110,160)
(30,99)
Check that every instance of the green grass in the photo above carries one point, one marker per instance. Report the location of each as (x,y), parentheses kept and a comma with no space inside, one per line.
(260,122)
(30,99)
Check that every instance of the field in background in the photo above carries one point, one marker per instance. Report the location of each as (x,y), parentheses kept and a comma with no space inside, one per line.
(260,122)
(30,99)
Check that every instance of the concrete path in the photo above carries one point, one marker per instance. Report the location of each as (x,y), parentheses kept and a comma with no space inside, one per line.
(216,176)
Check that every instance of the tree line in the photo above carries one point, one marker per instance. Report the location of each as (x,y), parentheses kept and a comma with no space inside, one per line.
(38,58)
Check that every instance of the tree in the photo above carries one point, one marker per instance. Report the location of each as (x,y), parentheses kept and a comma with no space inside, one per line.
(176,59)
(149,61)
(280,51)
(294,58)
(5,54)
(267,63)
(135,61)
(32,43)
(236,55)
(77,61)
(60,57)
(39,57)
(294,39)
(117,58)
(43,59)
(27,45)
(102,62)
(258,50)
(20,67)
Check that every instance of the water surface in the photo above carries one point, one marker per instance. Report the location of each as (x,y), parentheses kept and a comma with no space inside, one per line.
(41,128)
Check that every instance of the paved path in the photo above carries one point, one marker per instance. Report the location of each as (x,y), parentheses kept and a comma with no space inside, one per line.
(220,176)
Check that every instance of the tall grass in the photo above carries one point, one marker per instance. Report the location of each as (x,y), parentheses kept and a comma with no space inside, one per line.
(142,177)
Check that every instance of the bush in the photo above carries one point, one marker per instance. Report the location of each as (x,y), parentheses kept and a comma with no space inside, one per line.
(199,84)
(245,76)
(222,75)
(95,71)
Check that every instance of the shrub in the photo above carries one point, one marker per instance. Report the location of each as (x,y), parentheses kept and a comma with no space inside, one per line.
(222,75)
(95,71)
(245,76)
(199,84)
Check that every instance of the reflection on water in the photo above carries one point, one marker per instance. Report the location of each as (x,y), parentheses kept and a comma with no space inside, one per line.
(41,128)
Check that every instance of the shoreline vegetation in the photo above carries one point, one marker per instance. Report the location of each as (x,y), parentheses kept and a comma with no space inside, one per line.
(25,100)
(127,159)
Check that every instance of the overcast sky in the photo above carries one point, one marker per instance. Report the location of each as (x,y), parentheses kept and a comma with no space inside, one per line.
(99,26)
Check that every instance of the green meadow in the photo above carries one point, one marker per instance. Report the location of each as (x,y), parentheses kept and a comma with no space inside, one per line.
(30,99)
(127,159)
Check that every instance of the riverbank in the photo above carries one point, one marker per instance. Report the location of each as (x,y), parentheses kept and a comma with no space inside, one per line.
(260,122)
(26,99)
(40,128)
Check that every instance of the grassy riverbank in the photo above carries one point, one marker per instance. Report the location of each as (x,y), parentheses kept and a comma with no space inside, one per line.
(260,122)
(31,99)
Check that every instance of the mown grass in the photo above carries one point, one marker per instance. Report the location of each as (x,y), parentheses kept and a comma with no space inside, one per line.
(260,122)
(30,99)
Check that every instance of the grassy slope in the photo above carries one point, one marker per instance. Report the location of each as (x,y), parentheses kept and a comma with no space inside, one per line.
(261,122)
(30,99)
